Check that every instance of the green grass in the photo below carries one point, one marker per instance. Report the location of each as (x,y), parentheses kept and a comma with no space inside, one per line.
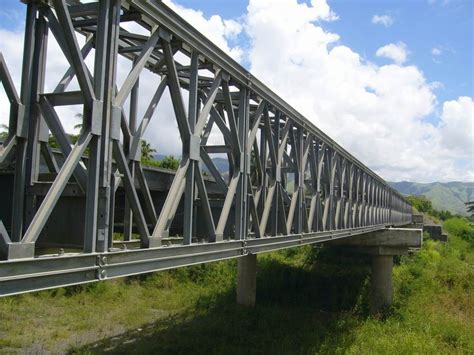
(308,301)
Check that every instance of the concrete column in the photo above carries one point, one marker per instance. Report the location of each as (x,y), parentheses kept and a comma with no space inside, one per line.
(381,282)
(247,280)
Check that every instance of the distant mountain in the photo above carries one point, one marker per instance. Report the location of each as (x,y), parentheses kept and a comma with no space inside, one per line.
(222,164)
(449,196)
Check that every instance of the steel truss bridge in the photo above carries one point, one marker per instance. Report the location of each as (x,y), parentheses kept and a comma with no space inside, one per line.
(91,211)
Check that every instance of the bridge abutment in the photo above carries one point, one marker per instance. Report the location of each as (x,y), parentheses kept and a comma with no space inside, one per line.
(247,280)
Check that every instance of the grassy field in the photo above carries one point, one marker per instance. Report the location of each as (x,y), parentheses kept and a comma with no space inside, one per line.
(309,301)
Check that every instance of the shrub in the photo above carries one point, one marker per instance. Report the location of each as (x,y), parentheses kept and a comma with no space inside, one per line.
(421,203)
(460,227)
(168,162)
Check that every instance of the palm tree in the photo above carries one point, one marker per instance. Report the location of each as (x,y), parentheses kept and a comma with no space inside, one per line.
(147,150)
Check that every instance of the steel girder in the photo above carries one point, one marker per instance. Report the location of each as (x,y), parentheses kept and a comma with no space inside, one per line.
(288,183)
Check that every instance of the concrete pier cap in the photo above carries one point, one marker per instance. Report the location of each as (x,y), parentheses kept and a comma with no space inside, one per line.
(382,246)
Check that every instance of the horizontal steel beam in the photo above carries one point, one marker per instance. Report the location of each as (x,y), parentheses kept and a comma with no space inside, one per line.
(45,272)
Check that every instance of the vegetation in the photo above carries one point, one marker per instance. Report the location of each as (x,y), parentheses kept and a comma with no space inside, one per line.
(450,196)
(168,162)
(53,143)
(309,300)
(470,208)
(148,158)
(461,228)
(422,204)
(147,151)
(3,132)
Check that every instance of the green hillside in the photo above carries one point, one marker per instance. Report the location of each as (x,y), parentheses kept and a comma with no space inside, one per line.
(449,196)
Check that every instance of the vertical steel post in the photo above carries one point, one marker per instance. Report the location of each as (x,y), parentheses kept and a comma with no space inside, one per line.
(110,118)
(32,114)
(22,129)
(264,182)
(241,194)
(98,117)
(192,116)
(276,176)
(127,212)
(300,177)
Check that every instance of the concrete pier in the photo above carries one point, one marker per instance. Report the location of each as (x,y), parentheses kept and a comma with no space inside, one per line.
(247,280)
(381,287)
(382,246)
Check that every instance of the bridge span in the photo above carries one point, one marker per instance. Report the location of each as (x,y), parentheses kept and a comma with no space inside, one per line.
(92,211)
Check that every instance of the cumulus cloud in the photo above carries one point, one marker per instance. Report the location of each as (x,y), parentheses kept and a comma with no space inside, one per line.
(215,28)
(436,51)
(56,66)
(457,126)
(384,20)
(397,52)
(162,131)
(376,112)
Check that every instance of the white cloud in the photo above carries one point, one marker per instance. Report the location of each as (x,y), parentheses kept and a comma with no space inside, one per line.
(436,51)
(56,65)
(215,28)
(457,126)
(397,52)
(162,132)
(232,28)
(377,112)
(384,20)
(323,10)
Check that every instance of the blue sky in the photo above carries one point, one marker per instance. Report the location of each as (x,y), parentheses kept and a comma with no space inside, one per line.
(390,80)
(421,24)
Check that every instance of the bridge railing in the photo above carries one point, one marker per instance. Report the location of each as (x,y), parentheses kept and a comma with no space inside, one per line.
(285,177)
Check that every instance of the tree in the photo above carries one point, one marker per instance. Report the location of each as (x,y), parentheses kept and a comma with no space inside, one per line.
(147,151)
(442,215)
(421,203)
(470,207)
(4,132)
(169,162)
(80,117)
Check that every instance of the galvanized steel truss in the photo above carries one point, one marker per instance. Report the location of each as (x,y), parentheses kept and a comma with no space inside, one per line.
(288,183)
